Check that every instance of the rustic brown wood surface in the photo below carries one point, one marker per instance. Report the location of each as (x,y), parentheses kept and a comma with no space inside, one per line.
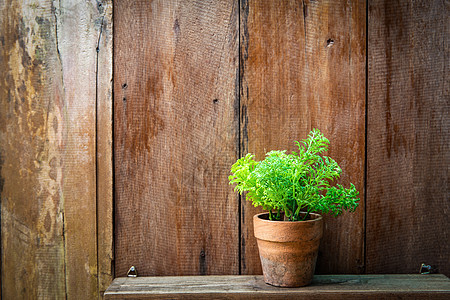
(77,38)
(32,154)
(175,120)
(253,287)
(408,129)
(188,101)
(48,94)
(303,67)
(104,149)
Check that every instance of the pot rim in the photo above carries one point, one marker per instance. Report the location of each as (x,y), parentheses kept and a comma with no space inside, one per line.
(274,221)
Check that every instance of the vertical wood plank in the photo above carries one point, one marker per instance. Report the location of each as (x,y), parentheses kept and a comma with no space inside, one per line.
(104,150)
(48,167)
(31,138)
(79,24)
(408,129)
(303,67)
(175,136)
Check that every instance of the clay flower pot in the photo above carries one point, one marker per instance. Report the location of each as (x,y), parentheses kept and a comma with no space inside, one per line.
(288,250)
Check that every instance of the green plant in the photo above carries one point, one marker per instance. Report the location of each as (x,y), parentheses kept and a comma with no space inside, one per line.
(291,184)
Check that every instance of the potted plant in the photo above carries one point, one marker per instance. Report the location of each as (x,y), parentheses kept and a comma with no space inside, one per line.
(293,188)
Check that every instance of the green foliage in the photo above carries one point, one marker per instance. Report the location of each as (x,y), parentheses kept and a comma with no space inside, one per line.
(292,183)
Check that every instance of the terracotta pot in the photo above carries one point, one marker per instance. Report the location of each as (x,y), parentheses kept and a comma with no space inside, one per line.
(288,250)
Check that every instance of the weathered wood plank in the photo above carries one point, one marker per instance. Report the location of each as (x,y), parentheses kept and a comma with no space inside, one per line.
(303,67)
(31,150)
(78,26)
(175,137)
(253,287)
(104,149)
(48,143)
(408,128)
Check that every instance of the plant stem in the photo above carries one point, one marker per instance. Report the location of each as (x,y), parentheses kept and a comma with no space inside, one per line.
(307,214)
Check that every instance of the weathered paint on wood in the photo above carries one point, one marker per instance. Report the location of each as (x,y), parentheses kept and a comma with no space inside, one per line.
(253,287)
(303,67)
(48,96)
(175,137)
(408,129)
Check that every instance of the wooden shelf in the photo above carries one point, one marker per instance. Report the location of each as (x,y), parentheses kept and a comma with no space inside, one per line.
(433,286)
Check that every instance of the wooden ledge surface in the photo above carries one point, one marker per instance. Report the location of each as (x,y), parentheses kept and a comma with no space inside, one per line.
(435,286)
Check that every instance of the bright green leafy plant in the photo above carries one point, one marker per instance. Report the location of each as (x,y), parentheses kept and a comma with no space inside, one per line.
(290,186)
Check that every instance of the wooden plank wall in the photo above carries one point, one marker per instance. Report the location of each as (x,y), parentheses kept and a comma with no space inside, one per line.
(176,126)
(303,67)
(408,136)
(198,84)
(176,136)
(49,99)
(302,64)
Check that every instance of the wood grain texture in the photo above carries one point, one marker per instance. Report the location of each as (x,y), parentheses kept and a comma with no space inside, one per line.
(303,67)
(48,91)
(105,149)
(175,136)
(78,28)
(408,128)
(31,149)
(253,287)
